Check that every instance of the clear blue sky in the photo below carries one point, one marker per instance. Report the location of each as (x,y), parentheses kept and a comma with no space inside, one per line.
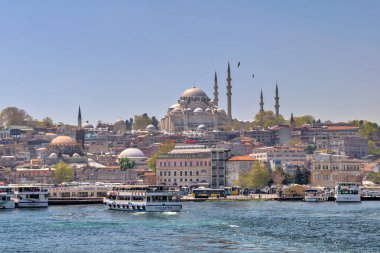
(121,58)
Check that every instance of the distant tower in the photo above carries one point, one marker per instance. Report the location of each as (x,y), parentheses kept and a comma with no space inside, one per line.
(79,119)
(79,135)
(216,99)
(292,120)
(261,102)
(277,105)
(229,93)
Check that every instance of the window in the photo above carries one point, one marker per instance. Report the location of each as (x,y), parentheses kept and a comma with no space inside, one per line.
(185,164)
(185,173)
(161,173)
(169,173)
(165,164)
(180,173)
(197,173)
(191,163)
(180,164)
(196,163)
(160,164)
(175,164)
(175,173)
(165,173)
(191,173)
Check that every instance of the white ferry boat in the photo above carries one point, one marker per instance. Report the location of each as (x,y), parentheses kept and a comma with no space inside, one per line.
(140,198)
(347,192)
(6,197)
(315,195)
(77,194)
(31,195)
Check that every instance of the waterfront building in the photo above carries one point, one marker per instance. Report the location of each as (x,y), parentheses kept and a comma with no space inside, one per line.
(192,165)
(327,170)
(236,166)
(354,147)
(280,154)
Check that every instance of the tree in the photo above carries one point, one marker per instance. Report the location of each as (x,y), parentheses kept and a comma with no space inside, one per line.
(63,173)
(163,148)
(141,121)
(373,177)
(301,120)
(13,116)
(310,149)
(267,119)
(154,122)
(126,163)
(48,121)
(278,177)
(258,177)
(128,124)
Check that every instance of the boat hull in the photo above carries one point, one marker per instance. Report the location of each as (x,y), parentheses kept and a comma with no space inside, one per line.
(133,207)
(31,204)
(347,198)
(7,204)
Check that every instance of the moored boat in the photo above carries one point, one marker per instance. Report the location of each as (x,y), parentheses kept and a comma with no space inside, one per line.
(315,195)
(140,198)
(6,197)
(347,192)
(30,195)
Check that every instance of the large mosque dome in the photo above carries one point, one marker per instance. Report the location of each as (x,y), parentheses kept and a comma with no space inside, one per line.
(133,154)
(64,145)
(194,92)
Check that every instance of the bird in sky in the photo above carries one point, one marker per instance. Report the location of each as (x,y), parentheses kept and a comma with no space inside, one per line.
(253,75)
(238,64)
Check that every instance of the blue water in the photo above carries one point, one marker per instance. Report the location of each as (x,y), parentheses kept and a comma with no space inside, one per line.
(266,226)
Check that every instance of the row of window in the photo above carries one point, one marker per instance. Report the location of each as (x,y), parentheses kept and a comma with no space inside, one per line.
(185,163)
(183,180)
(181,173)
(336,167)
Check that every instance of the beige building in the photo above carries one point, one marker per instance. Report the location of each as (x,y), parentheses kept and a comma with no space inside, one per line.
(280,154)
(327,170)
(236,166)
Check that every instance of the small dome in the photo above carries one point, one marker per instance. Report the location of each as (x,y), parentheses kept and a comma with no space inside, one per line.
(177,110)
(221,110)
(198,110)
(174,106)
(76,155)
(88,125)
(208,110)
(132,153)
(53,156)
(194,92)
(202,128)
(151,129)
(63,140)
(119,120)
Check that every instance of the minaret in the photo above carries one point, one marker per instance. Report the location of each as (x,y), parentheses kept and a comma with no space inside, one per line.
(79,119)
(292,120)
(216,99)
(277,105)
(229,93)
(261,102)
(80,133)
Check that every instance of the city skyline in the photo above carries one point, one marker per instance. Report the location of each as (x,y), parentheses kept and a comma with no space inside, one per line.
(115,60)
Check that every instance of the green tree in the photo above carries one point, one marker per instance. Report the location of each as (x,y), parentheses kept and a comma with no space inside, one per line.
(154,121)
(301,120)
(141,121)
(14,116)
(268,119)
(278,177)
(373,177)
(126,164)
(310,148)
(163,148)
(63,173)
(258,177)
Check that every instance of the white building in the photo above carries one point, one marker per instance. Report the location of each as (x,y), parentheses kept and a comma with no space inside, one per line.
(281,154)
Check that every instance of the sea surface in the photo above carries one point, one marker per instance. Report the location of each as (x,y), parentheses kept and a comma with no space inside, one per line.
(256,226)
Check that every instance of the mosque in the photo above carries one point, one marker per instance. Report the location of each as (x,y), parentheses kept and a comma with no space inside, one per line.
(196,111)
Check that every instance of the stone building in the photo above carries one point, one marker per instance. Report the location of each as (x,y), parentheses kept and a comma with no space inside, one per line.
(327,170)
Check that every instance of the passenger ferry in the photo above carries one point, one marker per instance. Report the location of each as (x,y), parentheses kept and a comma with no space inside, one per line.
(315,195)
(140,198)
(77,194)
(347,192)
(6,197)
(30,195)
